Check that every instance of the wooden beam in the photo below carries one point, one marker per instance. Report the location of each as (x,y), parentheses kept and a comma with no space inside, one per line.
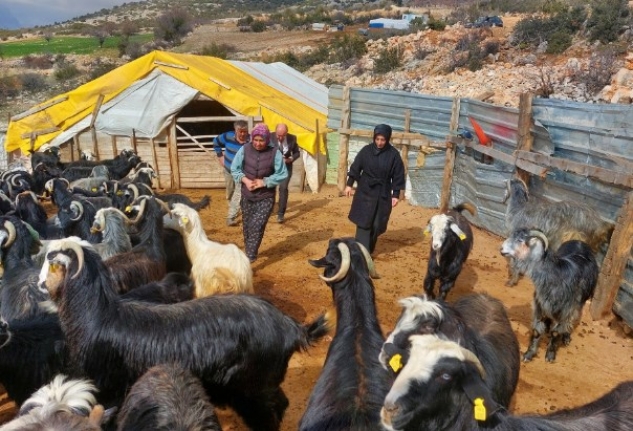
(77,146)
(603,174)
(614,263)
(195,141)
(447,181)
(38,109)
(524,132)
(172,144)
(404,148)
(93,131)
(114,148)
(412,139)
(40,132)
(134,140)
(175,66)
(231,118)
(155,161)
(343,149)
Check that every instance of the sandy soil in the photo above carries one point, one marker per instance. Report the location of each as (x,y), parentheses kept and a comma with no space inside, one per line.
(598,358)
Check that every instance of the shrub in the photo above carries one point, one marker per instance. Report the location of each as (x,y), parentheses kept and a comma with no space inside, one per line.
(421,53)
(258,26)
(558,42)
(100,69)
(32,82)
(221,50)
(388,59)
(436,24)
(173,25)
(66,71)
(347,47)
(134,50)
(606,19)
(491,47)
(9,87)
(44,61)
(602,66)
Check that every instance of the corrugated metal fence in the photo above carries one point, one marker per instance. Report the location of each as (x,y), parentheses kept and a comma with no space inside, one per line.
(598,135)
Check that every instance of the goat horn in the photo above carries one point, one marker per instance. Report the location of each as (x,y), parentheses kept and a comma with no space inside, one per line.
(140,211)
(471,357)
(164,205)
(33,196)
(345,263)
(370,262)
(79,251)
(134,190)
(49,186)
(15,178)
(80,209)
(10,227)
(116,210)
(541,235)
(66,181)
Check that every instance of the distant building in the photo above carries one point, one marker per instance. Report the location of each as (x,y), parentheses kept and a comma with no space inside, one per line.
(320,26)
(397,24)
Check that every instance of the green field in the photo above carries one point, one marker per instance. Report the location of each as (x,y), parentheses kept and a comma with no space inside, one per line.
(65,45)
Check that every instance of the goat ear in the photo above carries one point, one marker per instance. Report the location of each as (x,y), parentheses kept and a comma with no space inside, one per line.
(318,263)
(460,233)
(427,229)
(484,406)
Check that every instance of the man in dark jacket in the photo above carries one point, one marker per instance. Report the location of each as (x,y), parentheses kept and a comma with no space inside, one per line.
(379,173)
(287,144)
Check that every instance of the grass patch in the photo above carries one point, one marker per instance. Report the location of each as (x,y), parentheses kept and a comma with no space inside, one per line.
(66,45)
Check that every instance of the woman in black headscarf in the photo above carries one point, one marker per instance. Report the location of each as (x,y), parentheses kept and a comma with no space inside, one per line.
(379,173)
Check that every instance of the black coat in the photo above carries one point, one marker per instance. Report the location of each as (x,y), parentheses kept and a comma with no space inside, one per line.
(293,148)
(380,176)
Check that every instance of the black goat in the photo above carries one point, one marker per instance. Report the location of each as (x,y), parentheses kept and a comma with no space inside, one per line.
(563,281)
(49,157)
(173,198)
(19,297)
(76,217)
(167,398)
(146,262)
(222,339)
(28,208)
(33,351)
(559,221)
(478,322)
(351,388)
(451,243)
(442,388)
(42,173)
(174,287)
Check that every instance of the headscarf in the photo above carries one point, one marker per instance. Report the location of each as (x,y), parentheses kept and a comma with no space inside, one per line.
(384,130)
(261,130)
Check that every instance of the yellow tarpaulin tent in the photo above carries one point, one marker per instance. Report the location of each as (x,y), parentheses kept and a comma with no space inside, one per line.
(216,78)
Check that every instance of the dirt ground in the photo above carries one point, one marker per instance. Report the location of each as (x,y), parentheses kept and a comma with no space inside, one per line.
(598,358)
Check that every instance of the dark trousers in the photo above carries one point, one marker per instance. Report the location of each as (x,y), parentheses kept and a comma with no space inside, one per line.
(255,215)
(369,237)
(283,193)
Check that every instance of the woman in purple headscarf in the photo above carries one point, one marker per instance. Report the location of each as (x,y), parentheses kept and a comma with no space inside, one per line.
(259,168)
(379,173)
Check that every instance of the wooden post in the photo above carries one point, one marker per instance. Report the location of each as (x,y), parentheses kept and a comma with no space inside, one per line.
(449,165)
(525,138)
(72,150)
(114,148)
(614,262)
(95,112)
(404,148)
(343,149)
(76,143)
(134,141)
(172,143)
(155,161)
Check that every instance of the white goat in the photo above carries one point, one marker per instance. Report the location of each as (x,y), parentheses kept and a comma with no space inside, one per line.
(216,268)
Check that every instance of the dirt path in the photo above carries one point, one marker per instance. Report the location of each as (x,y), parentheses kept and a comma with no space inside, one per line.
(598,358)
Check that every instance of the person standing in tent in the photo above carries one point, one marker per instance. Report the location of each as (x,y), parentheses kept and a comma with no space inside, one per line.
(287,144)
(259,168)
(379,173)
(226,145)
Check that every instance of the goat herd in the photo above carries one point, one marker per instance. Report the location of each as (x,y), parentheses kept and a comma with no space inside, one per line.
(122,291)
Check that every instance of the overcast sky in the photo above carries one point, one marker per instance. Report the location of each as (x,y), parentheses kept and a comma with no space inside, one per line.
(42,12)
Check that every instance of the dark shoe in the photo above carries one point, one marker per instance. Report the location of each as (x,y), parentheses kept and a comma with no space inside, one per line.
(280,218)
(231,222)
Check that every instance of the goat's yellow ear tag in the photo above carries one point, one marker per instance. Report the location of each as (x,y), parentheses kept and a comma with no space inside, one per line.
(462,236)
(396,362)
(119,192)
(426,232)
(94,189)
(480,409)
(128,209)
(185,219)
(53,267)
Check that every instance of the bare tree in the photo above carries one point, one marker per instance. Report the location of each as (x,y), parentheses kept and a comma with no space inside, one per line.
(174,24)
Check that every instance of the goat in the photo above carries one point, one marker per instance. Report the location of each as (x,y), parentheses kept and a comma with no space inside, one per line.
(167,398)
(451,243)
(559,221)
(33,351)
(28,208)
(98,175)
(62,405)
(563,281)
(215,267)
(174,287)
(112,224)
(145,262)
(88,155)
(6,204)
(478,322)
(174,198)
(221,339)
(351,388)
(42,173)
(76,217)
(19,297)
(49,157)
(442,388)
(16,182)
